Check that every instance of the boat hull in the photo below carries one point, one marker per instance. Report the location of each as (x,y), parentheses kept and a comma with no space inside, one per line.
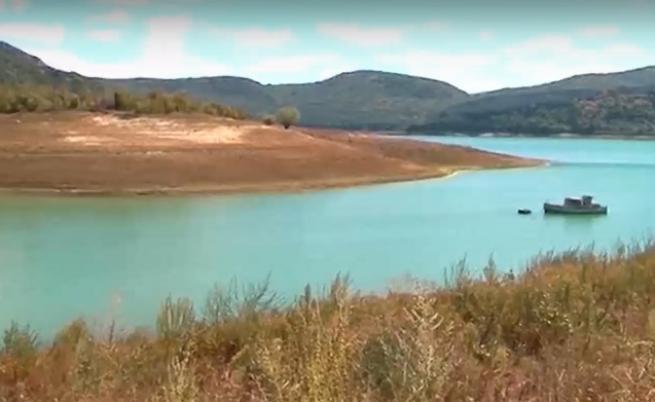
(569,210)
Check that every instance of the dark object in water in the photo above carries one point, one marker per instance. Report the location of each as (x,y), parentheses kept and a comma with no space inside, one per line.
(524,212)
(576,206)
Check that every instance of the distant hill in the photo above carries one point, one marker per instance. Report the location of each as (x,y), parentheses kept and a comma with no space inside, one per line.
(243,93)
(589,82)
(362,99)
(369,99)
(29,85)
(18,67)
(593,103)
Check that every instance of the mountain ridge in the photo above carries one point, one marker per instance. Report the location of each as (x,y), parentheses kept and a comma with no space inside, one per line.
(379,100)
(358,99)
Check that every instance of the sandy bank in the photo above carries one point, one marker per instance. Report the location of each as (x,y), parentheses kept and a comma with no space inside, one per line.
(85,153)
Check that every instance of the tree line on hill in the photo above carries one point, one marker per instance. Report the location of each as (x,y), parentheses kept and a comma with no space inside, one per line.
(33,98)
(609,112)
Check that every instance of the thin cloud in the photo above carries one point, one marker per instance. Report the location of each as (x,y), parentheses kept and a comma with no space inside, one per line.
(114,17)
(14,5)
(465,70)
(535,60)
(625,50)
(130,3)
(125,2)
(599,31)
(256,37)
(566,47)
(19,5)
(361,35)
(437,59)
(436,26)
(293,64)
(487,35)
(38,33)
(554,57)
(544,43)
(164,55)
(105,35)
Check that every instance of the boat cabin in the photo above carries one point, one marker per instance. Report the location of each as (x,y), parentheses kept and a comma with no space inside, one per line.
(584,201)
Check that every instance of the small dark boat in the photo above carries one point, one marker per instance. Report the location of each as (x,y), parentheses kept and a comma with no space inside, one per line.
(576,206)
(524,212)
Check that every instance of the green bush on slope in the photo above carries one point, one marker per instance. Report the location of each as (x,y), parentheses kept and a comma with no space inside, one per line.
(22,98)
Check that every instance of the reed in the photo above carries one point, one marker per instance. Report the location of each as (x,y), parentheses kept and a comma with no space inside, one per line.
(574,326)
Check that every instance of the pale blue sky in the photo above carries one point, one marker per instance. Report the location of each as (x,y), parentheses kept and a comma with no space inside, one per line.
(474,44)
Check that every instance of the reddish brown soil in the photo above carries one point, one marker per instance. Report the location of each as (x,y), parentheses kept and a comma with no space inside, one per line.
(109,153)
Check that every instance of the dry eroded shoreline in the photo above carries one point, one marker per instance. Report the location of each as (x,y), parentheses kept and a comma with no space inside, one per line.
(106,154)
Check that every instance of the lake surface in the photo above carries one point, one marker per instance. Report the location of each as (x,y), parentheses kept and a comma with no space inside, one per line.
(118,258)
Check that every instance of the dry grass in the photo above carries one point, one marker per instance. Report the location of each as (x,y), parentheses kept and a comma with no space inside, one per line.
(577,326)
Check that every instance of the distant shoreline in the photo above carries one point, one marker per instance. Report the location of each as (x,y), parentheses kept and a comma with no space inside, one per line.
(639,137)
(268,188)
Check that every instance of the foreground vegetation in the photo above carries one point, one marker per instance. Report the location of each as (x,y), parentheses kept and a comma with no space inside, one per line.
(574,327)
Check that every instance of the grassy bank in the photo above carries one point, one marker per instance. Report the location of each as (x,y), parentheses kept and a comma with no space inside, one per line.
(577,326)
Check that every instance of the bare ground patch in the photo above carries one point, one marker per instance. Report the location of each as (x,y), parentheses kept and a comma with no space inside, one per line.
(111,153)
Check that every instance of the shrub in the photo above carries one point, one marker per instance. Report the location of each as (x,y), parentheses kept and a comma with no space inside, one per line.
(19,342)
(228,303)
(572,326)
(288,116)
(268,120)
(175,319)
(124,101)
(180,383)
(315,359)
(28,98)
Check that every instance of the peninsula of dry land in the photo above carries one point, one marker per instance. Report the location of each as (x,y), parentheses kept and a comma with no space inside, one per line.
(112,153)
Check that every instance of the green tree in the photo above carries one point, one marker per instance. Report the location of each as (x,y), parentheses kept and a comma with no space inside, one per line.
(288,116)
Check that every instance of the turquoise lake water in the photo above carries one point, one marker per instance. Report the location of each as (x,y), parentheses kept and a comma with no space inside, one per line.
(118,258)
